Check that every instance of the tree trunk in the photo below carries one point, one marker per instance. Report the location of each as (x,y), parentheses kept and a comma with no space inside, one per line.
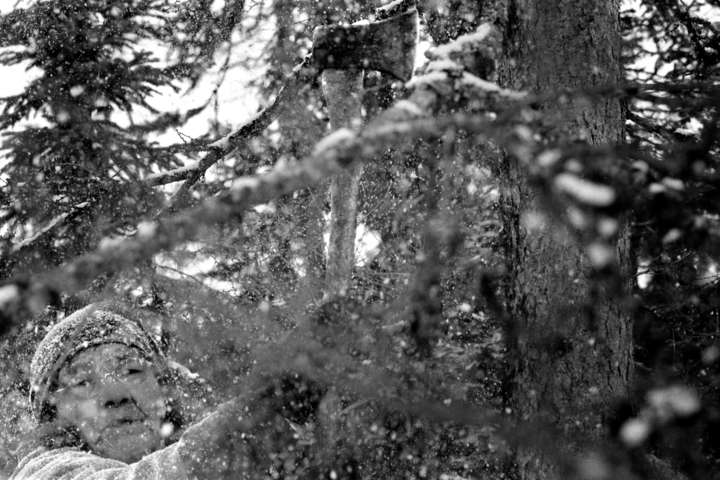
(573,346)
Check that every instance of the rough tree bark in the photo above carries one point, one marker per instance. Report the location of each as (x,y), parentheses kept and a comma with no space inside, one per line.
(573,348)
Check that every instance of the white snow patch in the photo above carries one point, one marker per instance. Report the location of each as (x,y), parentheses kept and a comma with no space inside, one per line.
(641,166)
(265,208)
(585,191)
(443,64)
(110,243)
(8,294)
(675,400)
(577,218)
(146,230)
(607,227)
(463,42)
(548,158)
(186,372)
(656,188)
(471,188)
(673,183)
(421,47)
(710,355)
(169,173)
(367,245)
(409,107)
(333,140)
(62,116)
(166,429)
(600,254)
(367,242)
(52,224)
(390,6)
(465,307)
(217,6)
(77,90)
(672,235)
(221,143)
(644,274)
(427,79)
(201,265)
(710,275)
(243,183)
(524,133)
(634,432)
(470,80)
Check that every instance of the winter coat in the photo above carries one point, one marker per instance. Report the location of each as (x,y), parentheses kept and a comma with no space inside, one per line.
(75,464)
(211,449)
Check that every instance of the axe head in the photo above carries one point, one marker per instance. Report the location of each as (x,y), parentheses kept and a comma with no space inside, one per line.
(387,46)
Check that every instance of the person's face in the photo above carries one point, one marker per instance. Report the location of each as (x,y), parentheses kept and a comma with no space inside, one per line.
(111,394)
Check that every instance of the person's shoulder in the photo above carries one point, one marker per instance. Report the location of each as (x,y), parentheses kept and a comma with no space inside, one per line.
(48,464)
(34,461)
(64,463)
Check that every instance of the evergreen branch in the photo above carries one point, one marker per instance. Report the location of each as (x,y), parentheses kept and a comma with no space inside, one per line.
(406,120)
(171,176)
(14,29)
(43,232)
(23,297)
(300,76)
(167,120)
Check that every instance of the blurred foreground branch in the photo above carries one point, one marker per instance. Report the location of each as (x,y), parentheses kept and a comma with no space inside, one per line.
(23,297)
(396,127)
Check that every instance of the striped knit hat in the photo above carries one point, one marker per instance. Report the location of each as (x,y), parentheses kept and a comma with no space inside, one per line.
(93,325)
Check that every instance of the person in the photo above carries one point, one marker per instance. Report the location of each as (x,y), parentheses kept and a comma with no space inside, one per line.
(100,392)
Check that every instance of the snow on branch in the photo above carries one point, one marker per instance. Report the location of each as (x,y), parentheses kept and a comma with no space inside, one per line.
(469,42)
(585,191)
(171,176)
(393,8)
(411,118)
(485,87)
(49,227)
(298,78)
(446,76)
(23,297)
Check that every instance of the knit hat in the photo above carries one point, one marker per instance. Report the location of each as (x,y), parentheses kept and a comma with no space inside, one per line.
(96,324)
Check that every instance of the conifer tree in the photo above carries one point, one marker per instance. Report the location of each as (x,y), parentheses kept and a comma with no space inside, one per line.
(81,136)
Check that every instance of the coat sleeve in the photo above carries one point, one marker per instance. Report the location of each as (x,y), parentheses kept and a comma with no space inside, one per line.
(221,446)
(74,464)
(213,448)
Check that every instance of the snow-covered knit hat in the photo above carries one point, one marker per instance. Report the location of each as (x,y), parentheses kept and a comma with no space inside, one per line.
(93,325)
